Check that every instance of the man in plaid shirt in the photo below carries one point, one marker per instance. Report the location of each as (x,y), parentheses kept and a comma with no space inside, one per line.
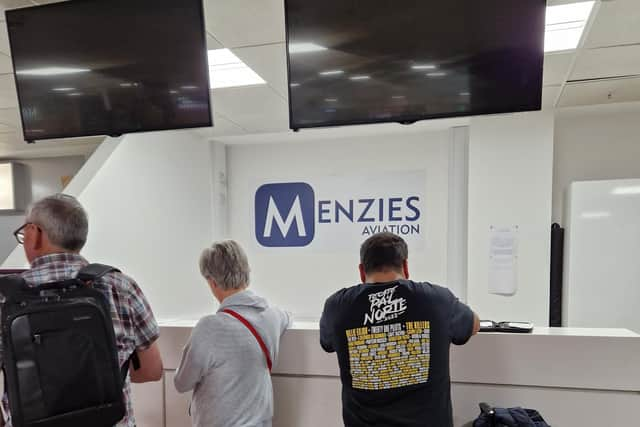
(53,234)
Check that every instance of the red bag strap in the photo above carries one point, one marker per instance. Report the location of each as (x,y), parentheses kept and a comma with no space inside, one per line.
(255,333)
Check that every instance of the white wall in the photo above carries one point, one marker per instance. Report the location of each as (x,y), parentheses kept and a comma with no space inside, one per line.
(594,145)
(150,213)
(510,177)
(300,280)
(44,177)
(601,255)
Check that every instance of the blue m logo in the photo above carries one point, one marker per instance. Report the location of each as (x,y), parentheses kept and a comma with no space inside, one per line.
(285,214)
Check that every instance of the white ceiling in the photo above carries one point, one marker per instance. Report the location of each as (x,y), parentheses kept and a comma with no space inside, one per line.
(604,69)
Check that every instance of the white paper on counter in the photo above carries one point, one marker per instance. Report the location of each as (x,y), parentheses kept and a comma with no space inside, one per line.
(503,260)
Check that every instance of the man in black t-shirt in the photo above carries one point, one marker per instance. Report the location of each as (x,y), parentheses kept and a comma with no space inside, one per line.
(392,338)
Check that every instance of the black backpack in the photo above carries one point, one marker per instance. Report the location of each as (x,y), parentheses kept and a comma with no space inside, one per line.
(60,358)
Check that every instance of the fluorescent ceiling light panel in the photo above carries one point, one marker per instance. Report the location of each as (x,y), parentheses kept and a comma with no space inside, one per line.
(51,71)
(565,24)
(359,78)
(227,70)
(624,191)
(305,48)
(437,74)
(63,89)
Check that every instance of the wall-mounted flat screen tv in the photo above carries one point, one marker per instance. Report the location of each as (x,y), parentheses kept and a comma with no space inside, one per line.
(371,61)
(98,67)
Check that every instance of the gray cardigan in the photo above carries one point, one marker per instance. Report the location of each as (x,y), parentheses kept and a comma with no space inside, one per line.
(226,369)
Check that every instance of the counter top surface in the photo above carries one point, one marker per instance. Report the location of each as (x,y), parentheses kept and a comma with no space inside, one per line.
(537,331)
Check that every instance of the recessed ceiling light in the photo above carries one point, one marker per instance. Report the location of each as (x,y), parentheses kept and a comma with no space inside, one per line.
(189,87)
(622,191)
(359,78)
(305,48)
(76,94)
(63,89)
(51,71)
(423,67)
(294,84)
(331,72)
(437,74)
(126,84)
(331,99)
(465,94)
(227,70)
(565,24)
(173,92)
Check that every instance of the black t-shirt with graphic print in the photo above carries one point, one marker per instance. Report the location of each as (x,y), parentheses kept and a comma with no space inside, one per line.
(392,341)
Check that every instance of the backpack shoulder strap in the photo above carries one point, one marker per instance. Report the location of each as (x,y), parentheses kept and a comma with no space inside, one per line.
(91,272)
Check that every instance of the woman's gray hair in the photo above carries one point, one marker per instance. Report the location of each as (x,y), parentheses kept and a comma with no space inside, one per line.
(63,219)
(226,263)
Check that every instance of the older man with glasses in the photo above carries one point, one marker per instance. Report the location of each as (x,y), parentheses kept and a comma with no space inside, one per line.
(53,234)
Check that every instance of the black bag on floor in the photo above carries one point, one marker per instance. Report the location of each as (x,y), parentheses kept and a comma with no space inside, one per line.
(60,358)
(508,417)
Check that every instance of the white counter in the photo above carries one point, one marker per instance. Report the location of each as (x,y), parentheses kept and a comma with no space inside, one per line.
(560,371)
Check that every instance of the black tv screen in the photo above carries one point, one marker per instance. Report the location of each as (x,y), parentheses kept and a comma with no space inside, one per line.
(370,61)
(109,67)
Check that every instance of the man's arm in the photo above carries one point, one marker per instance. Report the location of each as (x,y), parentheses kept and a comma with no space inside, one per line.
(326,329)
(476,324)
(150,365)
(464,323)
(146,333)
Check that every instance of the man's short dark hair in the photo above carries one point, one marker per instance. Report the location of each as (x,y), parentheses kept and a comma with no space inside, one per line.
(383,252)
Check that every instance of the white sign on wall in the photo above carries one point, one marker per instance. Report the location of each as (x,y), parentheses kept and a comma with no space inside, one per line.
(340,212)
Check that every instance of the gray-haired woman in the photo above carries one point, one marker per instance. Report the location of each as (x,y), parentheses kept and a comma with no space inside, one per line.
(228,358)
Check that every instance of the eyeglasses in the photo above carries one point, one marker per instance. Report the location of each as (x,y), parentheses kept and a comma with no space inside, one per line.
(19,233)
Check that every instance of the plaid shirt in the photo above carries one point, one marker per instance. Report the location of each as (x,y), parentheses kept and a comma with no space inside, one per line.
(133,321)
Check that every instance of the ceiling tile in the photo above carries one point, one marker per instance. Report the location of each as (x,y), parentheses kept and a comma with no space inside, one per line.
(212,43)
(240,23)
(556,68)
(224,127)
(12,4)
(4,39)
(549,96)
(254,108)
(601,92)
(270,62)
(8,95)
(607,62)
(6,67)
(617,23)
(10,117)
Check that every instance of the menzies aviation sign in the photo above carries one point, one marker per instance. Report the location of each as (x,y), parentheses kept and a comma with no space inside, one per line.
(292,214)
